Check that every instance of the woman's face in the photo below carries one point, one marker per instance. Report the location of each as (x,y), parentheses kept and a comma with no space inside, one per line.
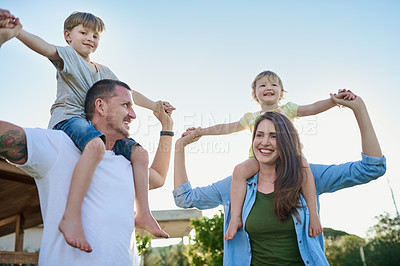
(265,146)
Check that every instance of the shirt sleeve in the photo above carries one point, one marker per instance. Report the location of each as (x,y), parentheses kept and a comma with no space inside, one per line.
(202,197)
(42,151)
(68,56)
(245,120)
(290,110)
(330,178)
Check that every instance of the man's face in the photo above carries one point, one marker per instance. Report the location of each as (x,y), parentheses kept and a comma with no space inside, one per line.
(119,112)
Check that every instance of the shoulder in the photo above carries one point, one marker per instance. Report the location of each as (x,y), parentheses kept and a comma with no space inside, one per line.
(105,71)
(44,147)
(249,118)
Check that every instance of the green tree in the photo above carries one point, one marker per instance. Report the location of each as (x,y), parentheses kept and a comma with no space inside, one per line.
(383,246)
(143,243)
(341,248)
(207,246)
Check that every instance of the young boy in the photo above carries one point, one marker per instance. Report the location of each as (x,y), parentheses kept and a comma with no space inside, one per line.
(76,73)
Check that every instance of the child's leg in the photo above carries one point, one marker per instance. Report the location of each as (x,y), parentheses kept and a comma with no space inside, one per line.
(309,193)
(143,218)
(71,224)
(241,173)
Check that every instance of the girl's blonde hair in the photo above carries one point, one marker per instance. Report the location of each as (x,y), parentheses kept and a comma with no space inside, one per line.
(272,77)
(87,20)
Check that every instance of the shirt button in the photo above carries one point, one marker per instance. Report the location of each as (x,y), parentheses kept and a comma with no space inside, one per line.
(297,223)
(300,241)
(307,262)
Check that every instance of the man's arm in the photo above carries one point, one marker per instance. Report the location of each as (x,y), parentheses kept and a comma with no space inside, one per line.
(13,143)
(159,168)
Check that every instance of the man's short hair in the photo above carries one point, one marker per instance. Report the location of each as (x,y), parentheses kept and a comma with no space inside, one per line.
(103,89)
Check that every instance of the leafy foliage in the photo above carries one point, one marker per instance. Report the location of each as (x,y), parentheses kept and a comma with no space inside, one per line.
(207,246)
(383,247)
(341,248)
(143,243)
(166,256)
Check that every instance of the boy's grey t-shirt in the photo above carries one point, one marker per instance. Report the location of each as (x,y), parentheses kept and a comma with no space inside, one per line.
(73,82)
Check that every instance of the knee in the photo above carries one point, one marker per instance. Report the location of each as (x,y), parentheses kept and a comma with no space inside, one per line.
(96,148)
(139,155)
(239,170)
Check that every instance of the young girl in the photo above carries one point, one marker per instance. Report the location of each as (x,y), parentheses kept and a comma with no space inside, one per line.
(267,90)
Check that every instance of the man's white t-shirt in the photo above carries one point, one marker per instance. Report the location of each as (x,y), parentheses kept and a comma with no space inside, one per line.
(107,210)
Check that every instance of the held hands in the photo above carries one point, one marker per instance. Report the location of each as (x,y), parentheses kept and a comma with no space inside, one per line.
(9,26)
(347,98)
(189,136)
(163,116)
(168,108)
(346,94)
(190,130)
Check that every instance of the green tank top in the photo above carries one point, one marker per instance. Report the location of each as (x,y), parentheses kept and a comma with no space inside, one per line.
(272,242)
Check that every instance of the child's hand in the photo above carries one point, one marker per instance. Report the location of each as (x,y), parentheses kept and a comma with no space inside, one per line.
(168,108)
(346,94)
(6,19)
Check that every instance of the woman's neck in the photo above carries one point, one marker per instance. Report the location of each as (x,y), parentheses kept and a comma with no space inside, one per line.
(267,173)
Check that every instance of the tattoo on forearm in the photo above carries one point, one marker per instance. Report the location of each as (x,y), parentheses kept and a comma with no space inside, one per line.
(13,145)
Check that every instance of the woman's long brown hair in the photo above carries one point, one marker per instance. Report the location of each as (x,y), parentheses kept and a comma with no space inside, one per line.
(289,172)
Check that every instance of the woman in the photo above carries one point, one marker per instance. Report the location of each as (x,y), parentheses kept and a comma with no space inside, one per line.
(275,215)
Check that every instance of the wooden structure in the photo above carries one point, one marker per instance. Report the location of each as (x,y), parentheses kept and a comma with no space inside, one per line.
(19,210)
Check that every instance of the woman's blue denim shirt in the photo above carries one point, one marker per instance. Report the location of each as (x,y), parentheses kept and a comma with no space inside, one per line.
(328,178)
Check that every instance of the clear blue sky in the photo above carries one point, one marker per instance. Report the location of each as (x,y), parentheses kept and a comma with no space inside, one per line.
(202,57)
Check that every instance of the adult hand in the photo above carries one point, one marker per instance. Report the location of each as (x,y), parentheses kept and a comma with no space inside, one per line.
(168,108)
(342,99)
(165,119)
(191,135)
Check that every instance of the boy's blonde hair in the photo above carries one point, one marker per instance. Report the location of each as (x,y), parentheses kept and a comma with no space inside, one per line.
(87,20)
(272,77)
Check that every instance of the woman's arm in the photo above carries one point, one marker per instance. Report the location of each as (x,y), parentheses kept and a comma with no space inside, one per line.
(201,197)
(180,174)
(369,142)
(330,178)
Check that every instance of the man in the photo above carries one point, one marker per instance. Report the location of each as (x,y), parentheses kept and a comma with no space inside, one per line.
(108,208)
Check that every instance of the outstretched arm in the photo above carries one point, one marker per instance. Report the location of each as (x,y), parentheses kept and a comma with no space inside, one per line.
(39,45)
(323,105)
(369,142)
(142,101)
(34,42)
(12,143)
(160,165)
(220,129)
